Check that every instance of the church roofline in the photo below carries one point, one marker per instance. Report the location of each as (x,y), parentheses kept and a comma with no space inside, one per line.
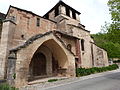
(27,12)
(64,4)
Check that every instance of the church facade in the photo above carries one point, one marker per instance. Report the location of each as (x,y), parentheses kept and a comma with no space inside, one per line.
(34,47)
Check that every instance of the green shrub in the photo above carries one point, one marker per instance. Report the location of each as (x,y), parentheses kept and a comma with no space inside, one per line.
(5,86)
(52,80)
(84,72)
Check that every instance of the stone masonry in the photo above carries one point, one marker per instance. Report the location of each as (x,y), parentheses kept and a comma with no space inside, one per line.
(34,47)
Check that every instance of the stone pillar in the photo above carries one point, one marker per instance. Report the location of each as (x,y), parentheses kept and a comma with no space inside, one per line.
(78,53)
(47,52)
(77,17)
(48,55)
(71,14)
(49,65)
(6,41)
(62,10)
(11,68)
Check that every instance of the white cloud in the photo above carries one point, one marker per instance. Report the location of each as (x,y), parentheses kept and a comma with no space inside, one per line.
(103,1)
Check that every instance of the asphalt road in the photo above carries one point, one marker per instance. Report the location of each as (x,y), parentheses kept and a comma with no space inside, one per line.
(107,82)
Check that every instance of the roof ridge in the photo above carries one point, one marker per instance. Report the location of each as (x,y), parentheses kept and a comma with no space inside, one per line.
(25,10)
(28,12)
(61,2)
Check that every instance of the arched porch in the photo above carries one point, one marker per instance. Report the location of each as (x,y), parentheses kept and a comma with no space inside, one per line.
(48,60)
(46,56)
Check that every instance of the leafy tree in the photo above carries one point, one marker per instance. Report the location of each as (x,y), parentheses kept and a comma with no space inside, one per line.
(105,28)
(114,28)
(114,8)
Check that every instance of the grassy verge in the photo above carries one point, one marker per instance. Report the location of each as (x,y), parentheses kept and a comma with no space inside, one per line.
(52,80)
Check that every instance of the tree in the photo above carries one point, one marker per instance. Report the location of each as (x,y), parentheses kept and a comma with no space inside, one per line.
(114,8)
(114,28)
(105,28)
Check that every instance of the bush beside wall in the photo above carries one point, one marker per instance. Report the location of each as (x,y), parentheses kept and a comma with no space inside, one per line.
(84,72)
(52,80)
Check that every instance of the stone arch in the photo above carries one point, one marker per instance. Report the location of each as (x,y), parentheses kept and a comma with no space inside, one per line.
(45,67)
(65,58)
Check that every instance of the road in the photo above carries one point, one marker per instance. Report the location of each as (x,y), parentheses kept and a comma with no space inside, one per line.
(107,82)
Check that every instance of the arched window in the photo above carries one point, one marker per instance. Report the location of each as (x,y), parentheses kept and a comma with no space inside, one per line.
(67,11)
(74,15)
(38,22)
(57,11)
(82,44)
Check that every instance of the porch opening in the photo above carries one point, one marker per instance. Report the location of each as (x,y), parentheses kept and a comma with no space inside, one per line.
(37,66)
(49,60)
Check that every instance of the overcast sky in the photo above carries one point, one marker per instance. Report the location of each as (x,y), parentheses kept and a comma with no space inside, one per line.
(93,12)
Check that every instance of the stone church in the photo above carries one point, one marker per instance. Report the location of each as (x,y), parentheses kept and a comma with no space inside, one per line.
(34,47)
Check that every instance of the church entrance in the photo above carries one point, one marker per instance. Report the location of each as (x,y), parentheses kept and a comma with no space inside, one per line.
(37,66)
(44,57)
(48,60)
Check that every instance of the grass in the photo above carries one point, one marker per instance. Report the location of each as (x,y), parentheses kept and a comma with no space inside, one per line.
(52,80)
(5,86)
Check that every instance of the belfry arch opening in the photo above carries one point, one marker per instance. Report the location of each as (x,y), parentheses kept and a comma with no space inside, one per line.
(48,60)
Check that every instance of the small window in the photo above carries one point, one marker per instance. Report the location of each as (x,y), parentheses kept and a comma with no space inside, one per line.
(56,11)
(67,12)
(38,22)
(82,45)
(74,15)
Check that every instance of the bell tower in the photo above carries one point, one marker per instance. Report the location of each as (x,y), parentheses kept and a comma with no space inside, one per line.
(63,14)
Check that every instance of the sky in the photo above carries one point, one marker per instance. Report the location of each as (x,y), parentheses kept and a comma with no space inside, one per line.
(94,13)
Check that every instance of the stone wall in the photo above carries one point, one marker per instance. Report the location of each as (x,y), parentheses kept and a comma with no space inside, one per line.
(100,57)
(69,42)
(26,25)
(6,43)
(23,26)
(24,55)
(86,57)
